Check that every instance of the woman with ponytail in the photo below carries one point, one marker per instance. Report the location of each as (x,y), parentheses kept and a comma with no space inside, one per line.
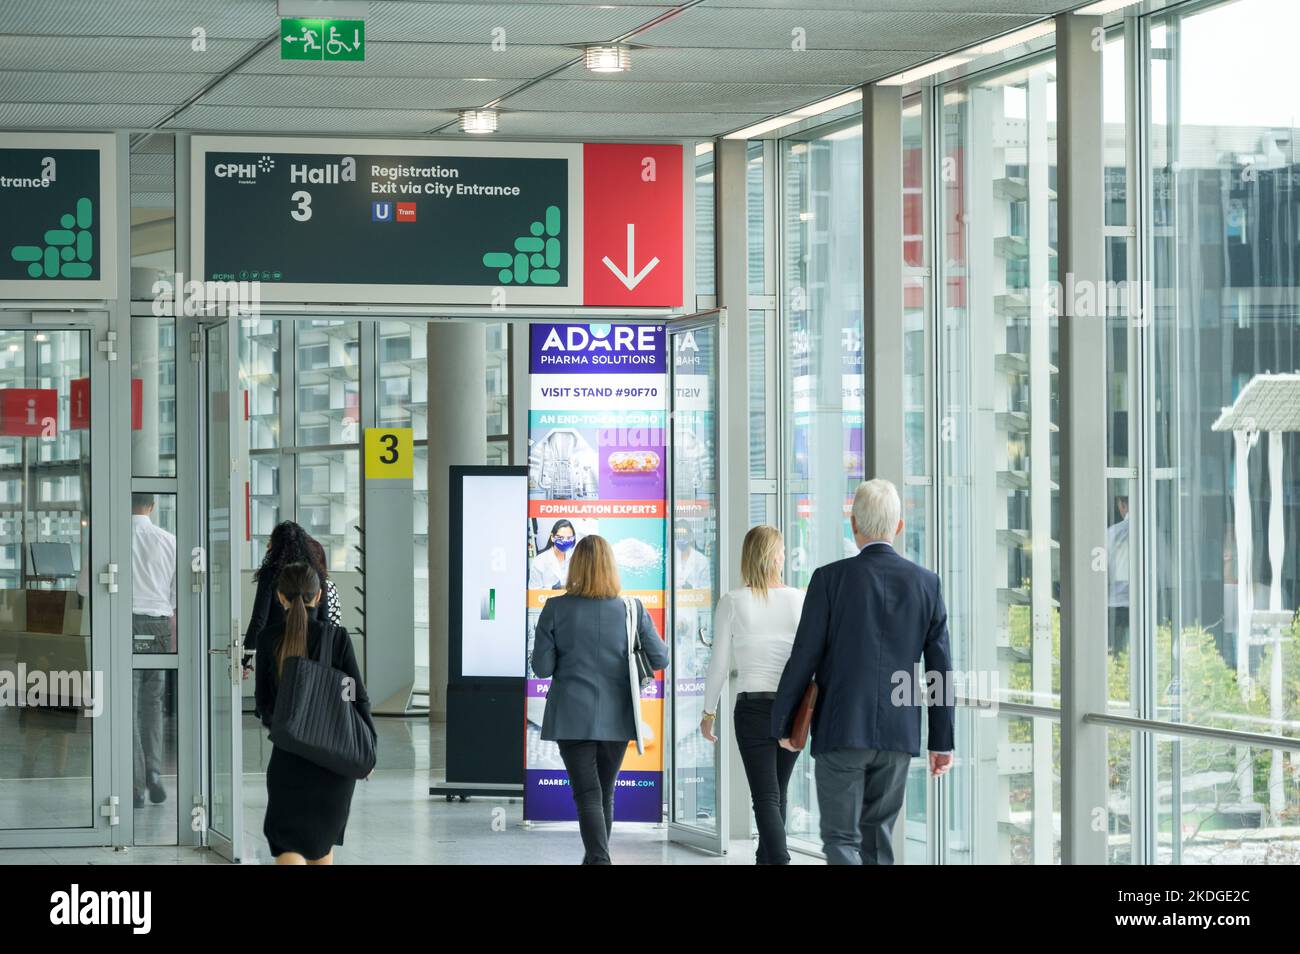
(288,543)
(307,805)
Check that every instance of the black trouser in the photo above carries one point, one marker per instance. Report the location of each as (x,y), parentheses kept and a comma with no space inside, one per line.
(150,685)
(593,769)
(768,768)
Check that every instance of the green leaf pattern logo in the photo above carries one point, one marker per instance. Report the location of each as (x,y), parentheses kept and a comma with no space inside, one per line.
(536,258)
(67,251)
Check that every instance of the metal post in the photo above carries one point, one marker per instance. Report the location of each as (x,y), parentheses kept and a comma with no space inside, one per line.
(732,264)
(1081,179)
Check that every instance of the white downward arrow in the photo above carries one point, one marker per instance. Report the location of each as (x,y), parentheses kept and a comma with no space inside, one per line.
(631,278)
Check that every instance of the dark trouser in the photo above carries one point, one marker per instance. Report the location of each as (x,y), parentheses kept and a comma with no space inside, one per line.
(768,768)
(1118,628)
(149,686)
(859,795)
(593,769)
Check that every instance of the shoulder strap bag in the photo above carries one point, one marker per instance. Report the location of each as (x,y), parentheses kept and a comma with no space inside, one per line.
(640,673)
(315,717)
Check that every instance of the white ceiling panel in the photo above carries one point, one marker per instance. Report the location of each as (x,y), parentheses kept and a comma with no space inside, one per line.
(378,5)
(67,116)
(1001,7)
(528,23)
(736,28)
(239,19)
(355,92)
(119,54)
(325,121)
(594,96)
(517,61)
(100,88)
(831,67)
(714,66)
(620,125)
(150,183)
(152,163)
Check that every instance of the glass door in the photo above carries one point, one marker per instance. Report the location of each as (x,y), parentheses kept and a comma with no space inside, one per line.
(225,517)
(697,799)
(55,578)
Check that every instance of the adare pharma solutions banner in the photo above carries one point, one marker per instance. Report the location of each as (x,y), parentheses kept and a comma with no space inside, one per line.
(597,464)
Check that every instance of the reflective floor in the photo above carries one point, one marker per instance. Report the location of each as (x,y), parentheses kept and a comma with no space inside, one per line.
(395,821)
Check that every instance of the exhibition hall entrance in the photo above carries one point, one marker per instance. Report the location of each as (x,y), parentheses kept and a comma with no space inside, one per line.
(286,406)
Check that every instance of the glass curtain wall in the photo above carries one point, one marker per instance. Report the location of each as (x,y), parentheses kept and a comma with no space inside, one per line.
(998,461)
(822,387)
(305,458)
(1202,403)
(1221,626)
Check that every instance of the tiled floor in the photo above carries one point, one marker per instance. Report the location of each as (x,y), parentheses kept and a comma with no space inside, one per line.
(395,821)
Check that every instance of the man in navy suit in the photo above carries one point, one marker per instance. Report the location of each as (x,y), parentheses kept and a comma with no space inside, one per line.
(866,622)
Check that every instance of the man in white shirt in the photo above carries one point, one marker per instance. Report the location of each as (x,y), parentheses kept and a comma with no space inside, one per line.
(153,610)
(1117,576)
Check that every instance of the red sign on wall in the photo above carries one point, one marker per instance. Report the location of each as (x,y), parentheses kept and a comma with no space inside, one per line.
(28,412)
(79,404)
(632,225)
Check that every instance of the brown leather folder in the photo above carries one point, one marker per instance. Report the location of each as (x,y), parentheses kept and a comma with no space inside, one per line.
(803,714)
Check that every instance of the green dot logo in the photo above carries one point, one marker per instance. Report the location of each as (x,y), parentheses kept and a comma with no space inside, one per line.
(67,250)
(536,256)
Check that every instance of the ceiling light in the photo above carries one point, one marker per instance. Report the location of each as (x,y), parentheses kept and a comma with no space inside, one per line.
(924,70)
(1104,6)
(607,58)
(794,116)
(998,44)
(478,120)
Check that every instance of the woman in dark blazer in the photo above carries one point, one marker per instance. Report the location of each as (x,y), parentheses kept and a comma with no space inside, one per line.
(581,644)
(307,805)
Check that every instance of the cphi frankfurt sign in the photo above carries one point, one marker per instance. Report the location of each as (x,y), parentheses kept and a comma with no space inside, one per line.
(497,223)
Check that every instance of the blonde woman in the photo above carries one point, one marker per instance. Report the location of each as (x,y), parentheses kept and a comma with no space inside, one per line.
(581,645)
(753,632)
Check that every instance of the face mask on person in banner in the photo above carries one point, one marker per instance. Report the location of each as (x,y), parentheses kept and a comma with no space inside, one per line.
(683,544)
(564,544)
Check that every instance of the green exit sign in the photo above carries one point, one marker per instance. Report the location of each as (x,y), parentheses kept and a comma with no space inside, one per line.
(322,39)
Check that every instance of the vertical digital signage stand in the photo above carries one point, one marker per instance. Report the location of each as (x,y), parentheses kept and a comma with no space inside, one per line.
(487,633)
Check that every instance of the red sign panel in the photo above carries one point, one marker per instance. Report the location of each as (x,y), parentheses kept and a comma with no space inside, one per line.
(24,412)
(79,404)
(632,225)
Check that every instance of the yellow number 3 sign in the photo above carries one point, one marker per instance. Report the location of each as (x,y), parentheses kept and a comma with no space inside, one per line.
(390,453)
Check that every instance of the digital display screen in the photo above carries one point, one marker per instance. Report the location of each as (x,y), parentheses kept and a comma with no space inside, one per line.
(494,574)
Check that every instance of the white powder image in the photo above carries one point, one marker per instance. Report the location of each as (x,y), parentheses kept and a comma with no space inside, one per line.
(637,554)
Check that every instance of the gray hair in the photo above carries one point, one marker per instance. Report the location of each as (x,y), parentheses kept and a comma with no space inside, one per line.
(877,509)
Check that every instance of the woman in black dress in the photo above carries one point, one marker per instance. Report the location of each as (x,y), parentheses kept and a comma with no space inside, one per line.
(306,805)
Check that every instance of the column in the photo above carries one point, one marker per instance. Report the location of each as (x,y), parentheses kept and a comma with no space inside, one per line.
(1080,181)
(882,270)
(457,414)
(732,264)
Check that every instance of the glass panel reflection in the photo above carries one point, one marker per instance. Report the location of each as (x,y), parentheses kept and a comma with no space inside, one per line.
(695,571)
(45,583)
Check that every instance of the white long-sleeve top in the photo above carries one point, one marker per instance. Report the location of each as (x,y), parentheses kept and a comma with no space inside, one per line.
(753,635)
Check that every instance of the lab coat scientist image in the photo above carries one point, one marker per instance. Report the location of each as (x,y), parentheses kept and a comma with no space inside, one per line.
(550,568)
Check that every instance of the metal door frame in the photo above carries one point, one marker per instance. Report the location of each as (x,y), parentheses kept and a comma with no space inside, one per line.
(233,847)
(717,841)
(111,729)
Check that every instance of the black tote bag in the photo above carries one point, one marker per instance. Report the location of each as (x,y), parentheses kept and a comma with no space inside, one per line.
(315,717)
